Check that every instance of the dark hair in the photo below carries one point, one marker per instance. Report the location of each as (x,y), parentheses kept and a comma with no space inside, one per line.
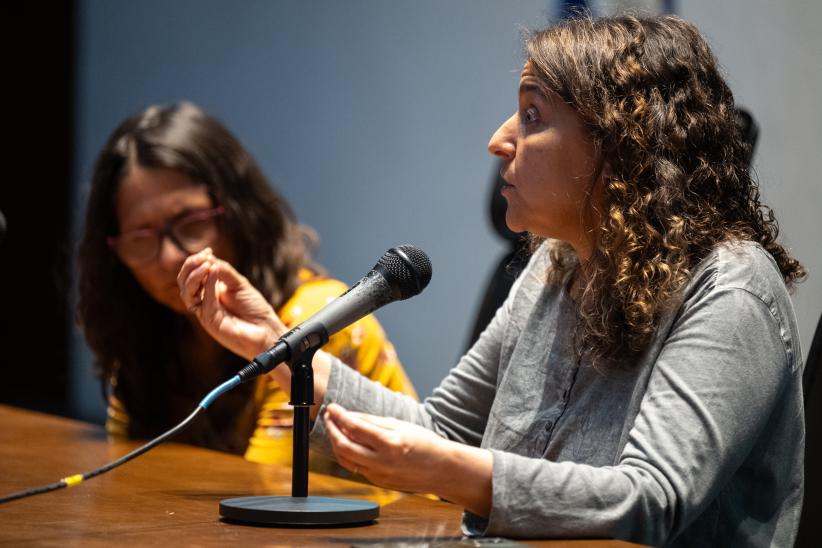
(128,331)
(677,181)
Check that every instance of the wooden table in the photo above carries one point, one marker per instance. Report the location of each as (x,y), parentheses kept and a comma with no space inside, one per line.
(170,496)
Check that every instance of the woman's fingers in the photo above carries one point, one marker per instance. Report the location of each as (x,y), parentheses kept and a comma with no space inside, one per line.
(204,277)
(210,301)
(386,423)
(367,430)
(389,452)
(350,454)
(191,277)
(192,262)
(229,275)
(192,290)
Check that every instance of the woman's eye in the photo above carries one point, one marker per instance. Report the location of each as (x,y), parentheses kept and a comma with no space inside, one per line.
(530,115)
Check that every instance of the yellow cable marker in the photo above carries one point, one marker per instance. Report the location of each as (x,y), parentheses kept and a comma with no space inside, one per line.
(71,481)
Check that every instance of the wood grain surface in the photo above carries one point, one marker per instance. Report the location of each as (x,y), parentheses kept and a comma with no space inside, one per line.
(170,496)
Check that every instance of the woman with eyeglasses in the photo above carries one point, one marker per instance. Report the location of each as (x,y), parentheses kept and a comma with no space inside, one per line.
(170,182)
(643,378)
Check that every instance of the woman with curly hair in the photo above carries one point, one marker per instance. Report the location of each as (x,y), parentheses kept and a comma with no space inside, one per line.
(171,181)
(643,379)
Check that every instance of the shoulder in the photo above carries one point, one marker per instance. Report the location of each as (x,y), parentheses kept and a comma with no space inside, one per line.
(742,265)
(744,273)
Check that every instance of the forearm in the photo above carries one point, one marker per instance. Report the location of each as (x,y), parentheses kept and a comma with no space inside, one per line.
(465,477)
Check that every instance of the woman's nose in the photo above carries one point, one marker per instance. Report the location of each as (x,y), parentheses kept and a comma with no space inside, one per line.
(171,256)
(503,141)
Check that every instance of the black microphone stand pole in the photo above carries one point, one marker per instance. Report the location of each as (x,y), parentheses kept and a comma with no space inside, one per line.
(299,509)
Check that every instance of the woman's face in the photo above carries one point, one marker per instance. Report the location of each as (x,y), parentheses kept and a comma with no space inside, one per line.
(154,198)
(549,164)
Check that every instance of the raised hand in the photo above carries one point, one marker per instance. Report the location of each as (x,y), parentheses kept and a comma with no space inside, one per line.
(228,307)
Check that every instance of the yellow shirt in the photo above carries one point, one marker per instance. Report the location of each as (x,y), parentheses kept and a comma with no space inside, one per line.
(362,345)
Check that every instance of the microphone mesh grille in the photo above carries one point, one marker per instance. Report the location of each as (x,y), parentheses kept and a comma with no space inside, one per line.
(410,267)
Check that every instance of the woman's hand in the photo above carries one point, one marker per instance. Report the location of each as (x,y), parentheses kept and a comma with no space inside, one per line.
(403,456)
(228,307)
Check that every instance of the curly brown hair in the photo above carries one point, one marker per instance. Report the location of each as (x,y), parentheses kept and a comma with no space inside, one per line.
(132,335)
(674,163)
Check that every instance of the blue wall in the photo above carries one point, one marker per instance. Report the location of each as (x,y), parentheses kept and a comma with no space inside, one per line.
(371,116)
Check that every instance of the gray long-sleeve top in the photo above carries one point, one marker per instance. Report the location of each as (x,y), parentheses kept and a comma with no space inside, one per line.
(698,443)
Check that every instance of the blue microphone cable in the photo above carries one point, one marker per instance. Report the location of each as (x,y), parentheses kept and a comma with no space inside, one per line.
(71,481)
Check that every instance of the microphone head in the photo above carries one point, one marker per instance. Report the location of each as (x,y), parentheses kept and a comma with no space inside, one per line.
(407,269)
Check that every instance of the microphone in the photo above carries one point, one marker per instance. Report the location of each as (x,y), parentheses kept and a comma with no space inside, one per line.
(401,272)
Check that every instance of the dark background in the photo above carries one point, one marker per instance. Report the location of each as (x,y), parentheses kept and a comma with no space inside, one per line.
(34,253)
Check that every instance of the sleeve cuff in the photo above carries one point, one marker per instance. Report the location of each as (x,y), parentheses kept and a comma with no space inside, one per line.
(476,526)
(318,439)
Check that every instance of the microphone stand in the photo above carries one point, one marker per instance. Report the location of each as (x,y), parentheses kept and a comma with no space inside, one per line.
(299,509)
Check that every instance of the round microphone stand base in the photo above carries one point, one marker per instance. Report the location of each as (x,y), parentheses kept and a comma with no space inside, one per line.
(299,511)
